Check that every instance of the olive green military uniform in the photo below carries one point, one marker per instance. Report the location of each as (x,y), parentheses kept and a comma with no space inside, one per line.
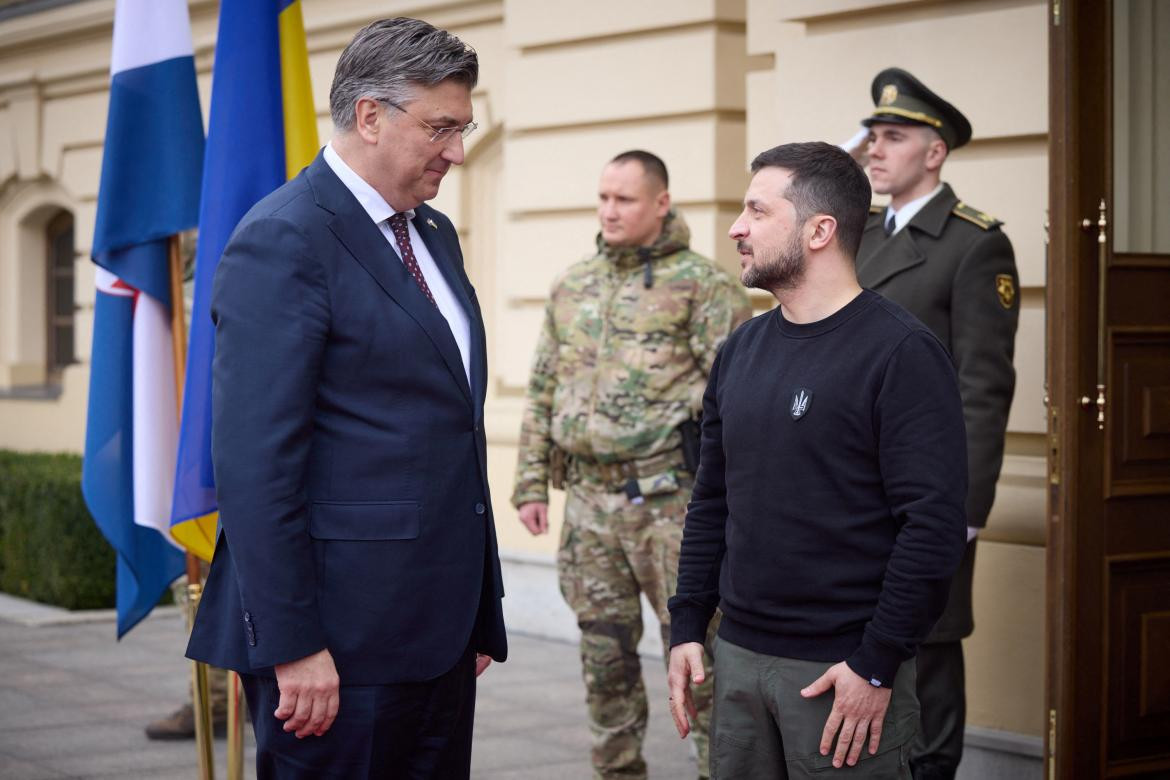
(622,359)
(953,268)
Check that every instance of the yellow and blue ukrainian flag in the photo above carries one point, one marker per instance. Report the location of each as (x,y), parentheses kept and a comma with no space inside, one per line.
(263,130)
(151,165)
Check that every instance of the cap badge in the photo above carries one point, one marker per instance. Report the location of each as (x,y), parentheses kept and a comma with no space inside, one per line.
(801,400)
(889,95)
(1006,289)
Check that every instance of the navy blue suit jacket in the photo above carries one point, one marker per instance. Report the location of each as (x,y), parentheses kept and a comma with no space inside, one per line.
(349,452)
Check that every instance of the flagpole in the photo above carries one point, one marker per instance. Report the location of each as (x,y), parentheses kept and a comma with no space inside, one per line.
(200,693)
(235,729)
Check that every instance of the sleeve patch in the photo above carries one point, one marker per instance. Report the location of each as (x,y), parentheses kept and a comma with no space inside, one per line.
(1005,287)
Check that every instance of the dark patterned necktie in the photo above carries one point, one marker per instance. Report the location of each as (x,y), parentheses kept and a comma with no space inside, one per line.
(402,236)
(889,226)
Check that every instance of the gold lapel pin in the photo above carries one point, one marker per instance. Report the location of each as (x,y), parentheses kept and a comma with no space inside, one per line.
(431,222)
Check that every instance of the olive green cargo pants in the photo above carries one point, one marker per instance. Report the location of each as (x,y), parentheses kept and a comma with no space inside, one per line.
(763,729)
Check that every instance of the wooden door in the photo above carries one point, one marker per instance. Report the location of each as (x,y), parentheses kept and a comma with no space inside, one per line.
(1108,557)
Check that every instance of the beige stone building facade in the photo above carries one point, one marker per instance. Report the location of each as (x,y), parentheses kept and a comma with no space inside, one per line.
(565,85)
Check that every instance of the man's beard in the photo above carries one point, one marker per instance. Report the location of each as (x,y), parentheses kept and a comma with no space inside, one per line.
(782,270)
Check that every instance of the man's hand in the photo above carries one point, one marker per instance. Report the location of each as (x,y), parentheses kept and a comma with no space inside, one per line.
(309,694)
(858,146)
(482,662)
(686,667)
(858,707)
(534,515)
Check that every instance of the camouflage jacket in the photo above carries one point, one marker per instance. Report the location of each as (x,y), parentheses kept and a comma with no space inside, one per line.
(619,365)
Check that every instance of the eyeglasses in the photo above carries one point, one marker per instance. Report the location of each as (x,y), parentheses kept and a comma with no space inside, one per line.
(441,134)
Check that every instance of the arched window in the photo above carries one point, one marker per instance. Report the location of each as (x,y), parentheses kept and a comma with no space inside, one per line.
(38,295)
(59,303)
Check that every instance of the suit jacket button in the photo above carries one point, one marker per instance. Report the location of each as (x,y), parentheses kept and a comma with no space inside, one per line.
(480,509)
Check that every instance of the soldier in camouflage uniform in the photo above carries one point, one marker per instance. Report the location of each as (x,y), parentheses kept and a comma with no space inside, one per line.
(622,361)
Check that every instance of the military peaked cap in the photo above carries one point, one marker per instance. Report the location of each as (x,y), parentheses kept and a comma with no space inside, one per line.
(900,98)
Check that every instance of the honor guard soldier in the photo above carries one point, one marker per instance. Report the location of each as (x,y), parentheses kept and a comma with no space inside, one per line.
(952,267)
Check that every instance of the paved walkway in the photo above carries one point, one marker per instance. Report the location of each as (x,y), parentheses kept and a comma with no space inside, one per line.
(73,703)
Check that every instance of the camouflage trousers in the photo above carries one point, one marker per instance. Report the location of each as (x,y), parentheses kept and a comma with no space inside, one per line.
(611,550)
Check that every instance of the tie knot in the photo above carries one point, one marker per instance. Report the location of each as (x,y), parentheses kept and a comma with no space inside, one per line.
(398,221)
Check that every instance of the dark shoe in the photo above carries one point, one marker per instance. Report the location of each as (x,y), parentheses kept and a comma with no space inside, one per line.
(180,724)
(932,770)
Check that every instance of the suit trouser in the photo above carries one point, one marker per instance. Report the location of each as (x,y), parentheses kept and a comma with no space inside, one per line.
(407,731)
(610,551)
(937,750)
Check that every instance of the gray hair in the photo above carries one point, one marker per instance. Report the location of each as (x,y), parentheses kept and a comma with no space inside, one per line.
(388,58)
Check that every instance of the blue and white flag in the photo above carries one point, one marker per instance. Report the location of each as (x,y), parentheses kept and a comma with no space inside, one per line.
(150,185)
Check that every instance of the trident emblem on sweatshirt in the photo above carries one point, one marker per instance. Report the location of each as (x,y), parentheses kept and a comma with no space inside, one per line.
(801,400)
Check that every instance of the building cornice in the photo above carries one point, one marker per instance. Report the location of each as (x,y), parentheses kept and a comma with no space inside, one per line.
(329,26)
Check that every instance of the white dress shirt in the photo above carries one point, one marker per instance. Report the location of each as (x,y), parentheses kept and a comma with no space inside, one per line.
(902,216)
(380,211)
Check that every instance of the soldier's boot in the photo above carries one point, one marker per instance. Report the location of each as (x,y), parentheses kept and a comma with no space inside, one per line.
(616,699)
(180,724)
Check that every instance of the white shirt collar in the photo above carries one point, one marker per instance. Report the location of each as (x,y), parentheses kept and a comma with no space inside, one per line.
(373,203)
(903,215)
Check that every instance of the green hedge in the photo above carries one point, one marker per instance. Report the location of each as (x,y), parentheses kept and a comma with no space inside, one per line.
(50,549)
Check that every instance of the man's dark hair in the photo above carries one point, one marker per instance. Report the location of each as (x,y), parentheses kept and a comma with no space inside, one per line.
(388,59)
(825,180)
(652,165)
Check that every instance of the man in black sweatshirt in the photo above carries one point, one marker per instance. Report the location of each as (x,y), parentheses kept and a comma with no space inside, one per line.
(827,515)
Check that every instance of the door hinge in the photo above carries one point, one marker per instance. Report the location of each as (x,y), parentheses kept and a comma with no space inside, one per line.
(1056,13)
(1052,745)
(1053,446)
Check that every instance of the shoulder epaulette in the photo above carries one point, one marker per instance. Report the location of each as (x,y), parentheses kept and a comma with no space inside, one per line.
(975,216)
(876,209)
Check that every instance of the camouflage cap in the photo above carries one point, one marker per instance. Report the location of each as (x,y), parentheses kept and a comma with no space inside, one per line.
(900,98)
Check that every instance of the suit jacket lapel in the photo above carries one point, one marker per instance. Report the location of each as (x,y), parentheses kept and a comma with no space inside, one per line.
(932,218)
(429,229)
(891,255)
(894,254)
(368,246)
(438,242)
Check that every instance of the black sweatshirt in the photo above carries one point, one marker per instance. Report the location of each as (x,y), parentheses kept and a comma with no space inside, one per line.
(827,516)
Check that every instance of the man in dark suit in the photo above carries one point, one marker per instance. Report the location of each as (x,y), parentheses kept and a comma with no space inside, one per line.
(356,583)
(953,268)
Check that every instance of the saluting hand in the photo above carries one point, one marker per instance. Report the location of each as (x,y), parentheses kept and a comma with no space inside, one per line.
(310,694)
